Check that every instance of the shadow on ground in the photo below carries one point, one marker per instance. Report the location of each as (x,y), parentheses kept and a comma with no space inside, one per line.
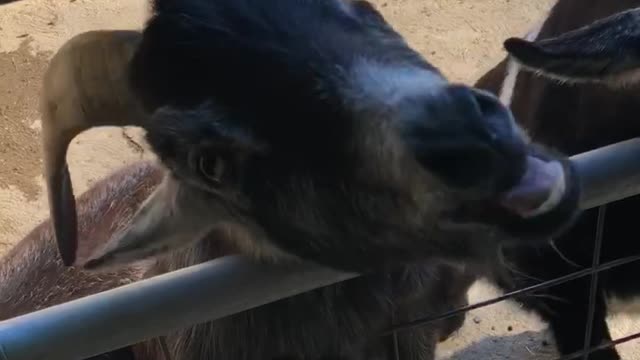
(529,345)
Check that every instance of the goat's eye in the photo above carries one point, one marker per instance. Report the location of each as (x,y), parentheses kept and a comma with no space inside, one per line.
(212,169)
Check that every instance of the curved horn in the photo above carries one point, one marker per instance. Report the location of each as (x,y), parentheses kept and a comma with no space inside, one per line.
(85,86)
(62,205)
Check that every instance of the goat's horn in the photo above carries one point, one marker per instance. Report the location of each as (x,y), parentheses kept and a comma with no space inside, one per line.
(73,103)
(62,205)
(56,140)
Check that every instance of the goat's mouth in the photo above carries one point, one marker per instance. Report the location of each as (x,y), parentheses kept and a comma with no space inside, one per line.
(543,202)
(540,190)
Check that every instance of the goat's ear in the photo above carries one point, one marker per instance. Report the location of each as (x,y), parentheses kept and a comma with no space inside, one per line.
(605,51)
(173,217)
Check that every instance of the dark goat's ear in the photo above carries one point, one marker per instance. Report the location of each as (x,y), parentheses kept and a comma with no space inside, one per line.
(606,51)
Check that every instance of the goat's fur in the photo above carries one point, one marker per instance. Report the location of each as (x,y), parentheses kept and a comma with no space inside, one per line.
(588,108)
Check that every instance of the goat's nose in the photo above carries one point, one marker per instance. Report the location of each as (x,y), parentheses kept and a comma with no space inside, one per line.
(488,103)
(481,110)
(483,118)
(494,116)
(506,138)
(481,113)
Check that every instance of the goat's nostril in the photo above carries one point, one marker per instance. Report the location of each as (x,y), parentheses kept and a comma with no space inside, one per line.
(496,117)
(464,97)
(489,104)
(480,105)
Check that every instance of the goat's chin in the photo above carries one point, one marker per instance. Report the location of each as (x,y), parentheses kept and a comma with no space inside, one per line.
(539,191)
(554,215)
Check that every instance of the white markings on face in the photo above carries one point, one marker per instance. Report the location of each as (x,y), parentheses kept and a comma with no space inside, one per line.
(511,77)
(513,69)
(375,83)
(509,83)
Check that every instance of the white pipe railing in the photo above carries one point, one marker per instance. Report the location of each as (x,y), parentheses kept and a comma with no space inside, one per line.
(609,173)
(154,307)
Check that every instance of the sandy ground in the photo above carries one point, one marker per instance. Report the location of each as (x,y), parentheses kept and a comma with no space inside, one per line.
(462,37)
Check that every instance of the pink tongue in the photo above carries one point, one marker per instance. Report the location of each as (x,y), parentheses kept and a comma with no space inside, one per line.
(539,191)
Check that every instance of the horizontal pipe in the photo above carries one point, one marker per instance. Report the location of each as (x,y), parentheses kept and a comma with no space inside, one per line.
(222,287)
(609,173)
(154,307)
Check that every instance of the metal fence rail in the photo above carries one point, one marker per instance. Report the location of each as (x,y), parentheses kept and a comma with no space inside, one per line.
(222,287)
(610,173)
(129,314)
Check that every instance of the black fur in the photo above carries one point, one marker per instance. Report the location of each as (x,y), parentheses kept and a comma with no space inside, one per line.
(342,321)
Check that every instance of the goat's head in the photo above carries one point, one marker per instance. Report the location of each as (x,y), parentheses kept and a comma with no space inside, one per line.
(606,51)
(313,129)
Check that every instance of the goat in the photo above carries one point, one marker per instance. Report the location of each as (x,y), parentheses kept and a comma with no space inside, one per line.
(590,44)
(384,171)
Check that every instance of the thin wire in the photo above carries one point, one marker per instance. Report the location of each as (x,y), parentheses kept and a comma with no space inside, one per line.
(593,291)
(547,284)
(605,345)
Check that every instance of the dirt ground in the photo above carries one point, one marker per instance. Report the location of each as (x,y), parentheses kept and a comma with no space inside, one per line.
(461,37)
